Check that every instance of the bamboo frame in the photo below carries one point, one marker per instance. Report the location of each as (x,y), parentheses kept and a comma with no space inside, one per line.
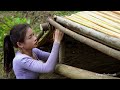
(77,73)
(91,33)
(93,26)
(98,22)
(96,45)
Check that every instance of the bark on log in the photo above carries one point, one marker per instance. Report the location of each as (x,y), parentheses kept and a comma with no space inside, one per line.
(91,33)
(96,45)
(77,73)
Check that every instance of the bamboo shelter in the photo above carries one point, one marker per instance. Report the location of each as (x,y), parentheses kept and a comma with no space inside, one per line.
(98,29)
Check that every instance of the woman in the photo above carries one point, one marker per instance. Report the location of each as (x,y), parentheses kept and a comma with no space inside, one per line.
(29,61)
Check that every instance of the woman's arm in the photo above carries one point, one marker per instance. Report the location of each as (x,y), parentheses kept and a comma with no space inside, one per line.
(37,66)
(49,66)
(42,55)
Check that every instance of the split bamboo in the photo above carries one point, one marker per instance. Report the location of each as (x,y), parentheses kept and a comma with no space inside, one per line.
(93,26)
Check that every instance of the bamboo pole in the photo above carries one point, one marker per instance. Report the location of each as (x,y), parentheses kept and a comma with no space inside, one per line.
(91,33)
(97,21)
(117,12)
(96,45)
(93,26)
(108,21)
(111,15)
(77,73)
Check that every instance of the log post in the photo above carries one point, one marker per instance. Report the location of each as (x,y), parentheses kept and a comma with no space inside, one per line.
(77,73)
(62,52)
(96,45)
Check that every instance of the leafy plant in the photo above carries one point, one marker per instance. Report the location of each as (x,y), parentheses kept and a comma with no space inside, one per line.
(6,23)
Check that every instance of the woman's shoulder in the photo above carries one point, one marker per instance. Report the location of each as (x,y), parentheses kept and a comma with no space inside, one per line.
(35,49)
(19,56)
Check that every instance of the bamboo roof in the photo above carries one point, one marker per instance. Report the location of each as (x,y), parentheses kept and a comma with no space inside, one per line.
(107,22)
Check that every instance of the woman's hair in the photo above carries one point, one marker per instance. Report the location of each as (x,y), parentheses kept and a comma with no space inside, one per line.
(17,34)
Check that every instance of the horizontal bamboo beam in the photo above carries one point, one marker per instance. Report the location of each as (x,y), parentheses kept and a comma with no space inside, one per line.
(96,45)
(77,73)
(91,33)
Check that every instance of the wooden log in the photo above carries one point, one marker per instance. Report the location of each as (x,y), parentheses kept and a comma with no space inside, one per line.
(62,52)
(93,26)
(77,73)
(91,33)
(96,45)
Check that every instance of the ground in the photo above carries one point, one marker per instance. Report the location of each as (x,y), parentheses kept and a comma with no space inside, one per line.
(76,54)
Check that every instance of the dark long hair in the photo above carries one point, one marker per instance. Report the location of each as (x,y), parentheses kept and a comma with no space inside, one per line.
(17,34)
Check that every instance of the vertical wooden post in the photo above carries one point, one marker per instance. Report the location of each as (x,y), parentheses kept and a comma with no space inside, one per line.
(62,52)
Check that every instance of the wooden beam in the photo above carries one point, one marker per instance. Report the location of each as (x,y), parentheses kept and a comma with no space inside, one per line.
(96,45)
(77,73)
(62,52)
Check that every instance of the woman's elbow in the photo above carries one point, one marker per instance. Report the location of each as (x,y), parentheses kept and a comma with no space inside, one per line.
(50,70)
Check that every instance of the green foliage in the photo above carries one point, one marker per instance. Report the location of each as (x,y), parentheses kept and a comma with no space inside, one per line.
(6,23)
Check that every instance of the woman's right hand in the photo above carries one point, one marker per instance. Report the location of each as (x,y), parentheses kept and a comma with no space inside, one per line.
(58,35)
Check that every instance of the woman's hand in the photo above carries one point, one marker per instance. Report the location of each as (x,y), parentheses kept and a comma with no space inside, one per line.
(58,35)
